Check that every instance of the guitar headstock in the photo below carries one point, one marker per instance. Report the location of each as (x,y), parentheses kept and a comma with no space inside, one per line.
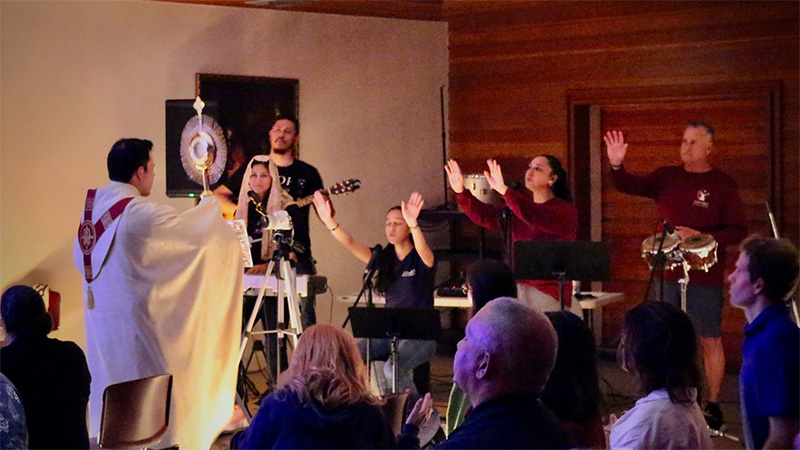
(345,186)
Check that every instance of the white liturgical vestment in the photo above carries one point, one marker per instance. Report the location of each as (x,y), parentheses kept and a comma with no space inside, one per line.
(166,299)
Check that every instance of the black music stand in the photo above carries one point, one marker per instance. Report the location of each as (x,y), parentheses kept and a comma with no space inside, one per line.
(562,260)
(395,324)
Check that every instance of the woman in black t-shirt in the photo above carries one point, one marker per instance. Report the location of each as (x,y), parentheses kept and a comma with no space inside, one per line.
(406,270)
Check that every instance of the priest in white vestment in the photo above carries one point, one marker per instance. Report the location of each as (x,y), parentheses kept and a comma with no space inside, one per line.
(162,294)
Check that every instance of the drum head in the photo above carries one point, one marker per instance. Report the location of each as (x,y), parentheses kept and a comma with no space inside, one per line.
(698,241)
(650,245)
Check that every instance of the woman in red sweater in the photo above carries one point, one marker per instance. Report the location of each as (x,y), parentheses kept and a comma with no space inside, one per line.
(547,214)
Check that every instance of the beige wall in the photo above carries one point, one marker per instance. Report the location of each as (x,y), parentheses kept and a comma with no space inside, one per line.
(76,76)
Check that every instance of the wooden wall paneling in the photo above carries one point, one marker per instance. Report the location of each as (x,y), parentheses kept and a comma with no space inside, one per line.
(517,69)
(642,25)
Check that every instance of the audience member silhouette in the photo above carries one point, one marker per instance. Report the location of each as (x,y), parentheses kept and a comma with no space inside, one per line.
(502,365)
(326,402)
(766,274)
(573,391)
(487,280)
(659,346)
(51,376)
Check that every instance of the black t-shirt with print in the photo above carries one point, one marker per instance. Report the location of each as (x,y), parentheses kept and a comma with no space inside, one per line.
(413,285)
(300,180)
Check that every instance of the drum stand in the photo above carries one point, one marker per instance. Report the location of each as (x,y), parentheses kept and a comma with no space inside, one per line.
(684,282)
(286,289)
(659,265)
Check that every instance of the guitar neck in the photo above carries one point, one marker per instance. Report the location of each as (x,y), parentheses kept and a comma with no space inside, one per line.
(305,201)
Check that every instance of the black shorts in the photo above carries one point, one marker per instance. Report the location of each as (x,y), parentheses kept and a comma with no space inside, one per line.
(703,305)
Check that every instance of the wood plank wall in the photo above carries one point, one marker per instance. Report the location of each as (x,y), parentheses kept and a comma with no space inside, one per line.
(512,65)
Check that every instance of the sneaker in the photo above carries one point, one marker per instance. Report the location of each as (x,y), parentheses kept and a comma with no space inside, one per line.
(713,415)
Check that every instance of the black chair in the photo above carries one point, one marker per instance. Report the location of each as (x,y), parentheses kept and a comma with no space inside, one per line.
(135,413)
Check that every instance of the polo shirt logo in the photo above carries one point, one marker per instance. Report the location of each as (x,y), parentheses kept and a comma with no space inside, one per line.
(409,273)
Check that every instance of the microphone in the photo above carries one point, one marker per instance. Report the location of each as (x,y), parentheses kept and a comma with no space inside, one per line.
(670,230)
(373,260)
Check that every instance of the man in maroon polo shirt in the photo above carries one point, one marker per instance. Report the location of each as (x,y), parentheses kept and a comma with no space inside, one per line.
(695,198)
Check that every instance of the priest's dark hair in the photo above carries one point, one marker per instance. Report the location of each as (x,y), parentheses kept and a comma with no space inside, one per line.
(126,156)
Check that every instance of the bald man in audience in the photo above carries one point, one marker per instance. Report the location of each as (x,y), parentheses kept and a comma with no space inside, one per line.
(502,364)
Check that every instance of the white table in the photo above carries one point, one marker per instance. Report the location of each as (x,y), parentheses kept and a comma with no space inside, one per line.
(591,307)
(600,299)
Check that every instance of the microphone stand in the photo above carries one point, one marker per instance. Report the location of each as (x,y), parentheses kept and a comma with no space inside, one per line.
(508,245)
(661,261)
(365,288)
(776,235)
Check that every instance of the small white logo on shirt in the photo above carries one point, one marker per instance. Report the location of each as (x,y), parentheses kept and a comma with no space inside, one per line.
(702,198)
(409,273)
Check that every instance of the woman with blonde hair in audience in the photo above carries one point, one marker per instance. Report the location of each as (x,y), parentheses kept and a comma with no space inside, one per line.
(326,402)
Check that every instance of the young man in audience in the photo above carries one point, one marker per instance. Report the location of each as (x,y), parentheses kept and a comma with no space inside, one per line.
(765,276)
(502,364)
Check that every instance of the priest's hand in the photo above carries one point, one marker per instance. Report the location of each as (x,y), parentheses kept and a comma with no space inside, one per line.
(258,269)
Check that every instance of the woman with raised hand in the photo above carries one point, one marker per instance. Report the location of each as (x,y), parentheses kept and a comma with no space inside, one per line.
(547,214)
(406,272)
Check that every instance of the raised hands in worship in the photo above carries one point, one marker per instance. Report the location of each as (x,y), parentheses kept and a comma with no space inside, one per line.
(454,176)
(411,209)
(495,177)
(324,209)
(615,147)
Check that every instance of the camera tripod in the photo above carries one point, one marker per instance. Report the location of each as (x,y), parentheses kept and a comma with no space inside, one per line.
(286,291)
